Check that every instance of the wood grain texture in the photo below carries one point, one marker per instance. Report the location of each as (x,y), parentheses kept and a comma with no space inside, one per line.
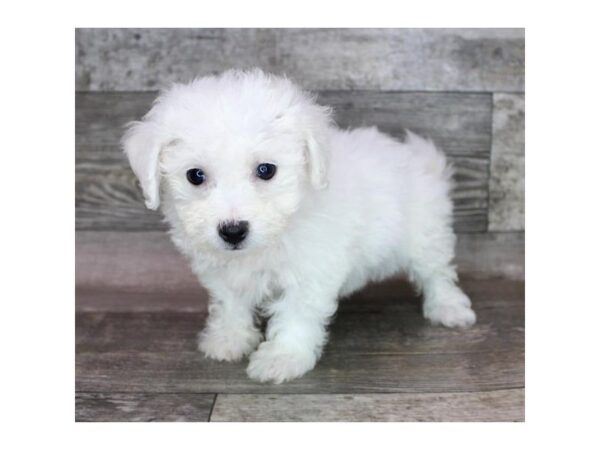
(490,406)
(393,297)
(507,181)
(380,59)
(136,263)
(119,407)
(379,343)
(459,123)
(107,195)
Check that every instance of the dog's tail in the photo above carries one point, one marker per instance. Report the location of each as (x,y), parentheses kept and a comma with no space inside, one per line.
(431,160)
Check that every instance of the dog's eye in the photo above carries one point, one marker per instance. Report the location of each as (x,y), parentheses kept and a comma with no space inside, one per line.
(266,171)
(196,176)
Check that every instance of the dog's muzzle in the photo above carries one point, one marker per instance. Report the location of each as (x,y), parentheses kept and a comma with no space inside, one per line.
(233,232)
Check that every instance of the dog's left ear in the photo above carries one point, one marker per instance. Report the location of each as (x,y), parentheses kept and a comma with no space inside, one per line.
(317,145)
(142,146)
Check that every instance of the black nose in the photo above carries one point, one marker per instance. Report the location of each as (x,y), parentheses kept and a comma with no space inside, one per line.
(233,232)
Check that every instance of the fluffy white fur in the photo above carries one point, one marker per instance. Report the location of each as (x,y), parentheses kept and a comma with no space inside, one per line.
(344,208)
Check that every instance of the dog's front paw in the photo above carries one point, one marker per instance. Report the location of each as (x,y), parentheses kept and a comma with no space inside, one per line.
(228,345)
(453,315)
(275,363)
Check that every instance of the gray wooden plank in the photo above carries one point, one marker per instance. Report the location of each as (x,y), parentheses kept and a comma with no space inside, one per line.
(499,303)
(507,180)
(102,298)
(490,406)
(460,123)
(128,261)
(140,299)
(146,59)
(485,255)
(124,407)
(107,195)
(336,373)
(387,59)
(379,342)
(134,262)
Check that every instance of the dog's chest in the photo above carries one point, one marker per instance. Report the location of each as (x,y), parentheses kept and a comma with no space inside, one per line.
(260,282)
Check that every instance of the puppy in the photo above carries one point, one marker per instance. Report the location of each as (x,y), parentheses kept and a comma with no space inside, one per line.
(282,213)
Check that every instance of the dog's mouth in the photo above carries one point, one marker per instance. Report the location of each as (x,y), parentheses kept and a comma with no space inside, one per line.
(235,247)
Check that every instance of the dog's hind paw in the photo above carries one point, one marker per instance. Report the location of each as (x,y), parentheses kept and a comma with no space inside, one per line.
(452,315)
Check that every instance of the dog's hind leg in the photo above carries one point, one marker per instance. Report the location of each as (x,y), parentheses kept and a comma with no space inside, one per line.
(430,239)
(445,303)
(433,273)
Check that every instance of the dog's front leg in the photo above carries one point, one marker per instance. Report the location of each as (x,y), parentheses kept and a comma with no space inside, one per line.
(296,334)
(230,332)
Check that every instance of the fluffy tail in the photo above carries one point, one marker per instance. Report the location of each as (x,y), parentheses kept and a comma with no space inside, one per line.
(428,158)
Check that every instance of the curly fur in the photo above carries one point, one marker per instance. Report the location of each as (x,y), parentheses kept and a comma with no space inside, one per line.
(344,208)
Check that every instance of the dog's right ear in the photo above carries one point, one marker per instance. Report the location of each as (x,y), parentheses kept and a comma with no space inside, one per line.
(142,147)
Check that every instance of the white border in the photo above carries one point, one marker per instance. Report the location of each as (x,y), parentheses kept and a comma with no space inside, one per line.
(38,241)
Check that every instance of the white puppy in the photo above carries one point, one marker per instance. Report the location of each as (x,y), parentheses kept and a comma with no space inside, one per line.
(282,213)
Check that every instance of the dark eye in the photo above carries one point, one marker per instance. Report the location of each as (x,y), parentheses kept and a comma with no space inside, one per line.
(196,176)
(266,171)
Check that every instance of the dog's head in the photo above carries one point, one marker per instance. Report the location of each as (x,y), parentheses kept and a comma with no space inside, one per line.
(230,157)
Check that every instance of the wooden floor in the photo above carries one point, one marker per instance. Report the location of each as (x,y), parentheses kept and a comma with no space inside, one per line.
(384,362)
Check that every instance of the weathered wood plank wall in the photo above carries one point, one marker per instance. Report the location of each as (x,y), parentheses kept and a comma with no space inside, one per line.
(471,60)
(463,88)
